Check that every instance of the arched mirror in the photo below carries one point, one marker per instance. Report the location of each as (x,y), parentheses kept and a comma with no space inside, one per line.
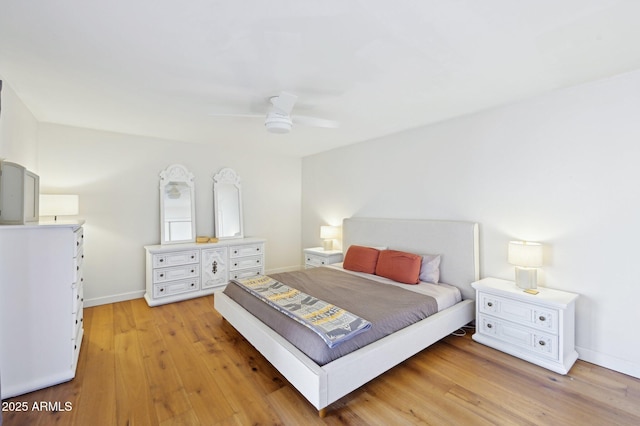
(227,204)
(177,206)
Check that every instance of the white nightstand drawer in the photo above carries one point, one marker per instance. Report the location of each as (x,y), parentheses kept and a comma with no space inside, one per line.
(175,287)
(176,273)
(245,262)
(526,338)
(245,250)
(176,258)
(314,260)
(317,256)
(521,313)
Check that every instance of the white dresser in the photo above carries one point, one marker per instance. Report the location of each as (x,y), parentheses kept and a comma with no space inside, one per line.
(177,272)
(538,328)
(41,304)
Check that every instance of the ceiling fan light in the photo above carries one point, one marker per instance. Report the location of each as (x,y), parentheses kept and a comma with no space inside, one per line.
(276,123)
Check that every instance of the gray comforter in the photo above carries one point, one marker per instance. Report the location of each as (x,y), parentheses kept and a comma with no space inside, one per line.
(387,307)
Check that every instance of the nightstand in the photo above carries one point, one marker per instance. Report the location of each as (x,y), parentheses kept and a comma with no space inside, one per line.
(537,328)
(317,256)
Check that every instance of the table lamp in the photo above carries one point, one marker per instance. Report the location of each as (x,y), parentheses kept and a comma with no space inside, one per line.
(527,257)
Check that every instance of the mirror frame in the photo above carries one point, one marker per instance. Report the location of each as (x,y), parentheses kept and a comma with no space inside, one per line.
(177,173)
(226,176)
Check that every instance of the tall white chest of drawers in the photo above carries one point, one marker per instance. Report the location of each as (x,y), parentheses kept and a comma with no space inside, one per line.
(41,305)
(177,272)
(538,328)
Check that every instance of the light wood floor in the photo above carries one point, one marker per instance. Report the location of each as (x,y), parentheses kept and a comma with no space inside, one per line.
(181,364)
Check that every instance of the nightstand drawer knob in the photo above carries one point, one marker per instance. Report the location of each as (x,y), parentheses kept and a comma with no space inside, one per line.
(541,318)
(489,304)
(489,325)
(542,343)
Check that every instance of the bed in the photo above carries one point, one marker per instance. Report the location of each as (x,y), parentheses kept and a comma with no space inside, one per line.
(321,385)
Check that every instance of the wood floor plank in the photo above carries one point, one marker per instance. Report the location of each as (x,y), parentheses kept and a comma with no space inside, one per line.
(197,380)
(182,364)
(98,405)
(131,382)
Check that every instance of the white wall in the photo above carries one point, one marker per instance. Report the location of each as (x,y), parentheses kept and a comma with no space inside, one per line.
(18,130)
(562,169)
(117,177)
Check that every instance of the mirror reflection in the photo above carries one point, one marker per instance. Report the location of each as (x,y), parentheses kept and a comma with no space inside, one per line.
(227,200)
(177,205)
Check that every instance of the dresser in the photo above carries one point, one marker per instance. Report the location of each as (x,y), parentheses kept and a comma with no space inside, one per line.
(318,256)
(177,272)
(41,304)
(538,328)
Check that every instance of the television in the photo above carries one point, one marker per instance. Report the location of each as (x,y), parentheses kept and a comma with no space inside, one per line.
(19,194)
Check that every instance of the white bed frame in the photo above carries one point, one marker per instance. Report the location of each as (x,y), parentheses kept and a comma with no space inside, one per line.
(456,241)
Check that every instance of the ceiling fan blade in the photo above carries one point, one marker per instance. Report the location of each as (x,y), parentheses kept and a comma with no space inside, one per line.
(284,102)
(233,115)
(315,121)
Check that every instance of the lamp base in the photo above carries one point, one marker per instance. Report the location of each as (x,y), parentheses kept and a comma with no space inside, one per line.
(526,278)
(327,245)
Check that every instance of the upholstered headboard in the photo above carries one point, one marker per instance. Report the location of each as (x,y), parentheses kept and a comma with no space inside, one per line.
(455,241)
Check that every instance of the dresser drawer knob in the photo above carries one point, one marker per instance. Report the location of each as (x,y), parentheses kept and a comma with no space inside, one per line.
(489,325)
(542,318)
(542,343)
(161,260)
(489,304)
(161,275)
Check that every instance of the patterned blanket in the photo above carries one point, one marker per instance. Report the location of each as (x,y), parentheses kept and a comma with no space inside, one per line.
(333,324)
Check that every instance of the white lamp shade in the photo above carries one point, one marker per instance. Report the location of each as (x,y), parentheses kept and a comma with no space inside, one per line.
(525,253)
(329,232)
(59,205)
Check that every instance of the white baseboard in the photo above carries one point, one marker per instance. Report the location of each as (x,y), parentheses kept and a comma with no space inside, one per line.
(607,361)
(113,299)
(285,269)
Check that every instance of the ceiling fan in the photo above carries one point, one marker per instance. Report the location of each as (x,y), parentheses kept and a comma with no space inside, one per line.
(279,119)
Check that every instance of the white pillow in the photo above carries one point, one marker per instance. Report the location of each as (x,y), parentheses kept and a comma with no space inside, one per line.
(430,268)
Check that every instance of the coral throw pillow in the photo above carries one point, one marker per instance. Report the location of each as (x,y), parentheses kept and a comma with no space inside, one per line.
(399,266)
(361,259)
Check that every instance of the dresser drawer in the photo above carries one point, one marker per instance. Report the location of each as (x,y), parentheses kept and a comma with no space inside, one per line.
(176,258)
(526,338)
(76,323)
(245,262)
(245,273)
(246,250)
(77,264)
(176,273)
(78,297)
(78,237)
(522,313)
(175,287)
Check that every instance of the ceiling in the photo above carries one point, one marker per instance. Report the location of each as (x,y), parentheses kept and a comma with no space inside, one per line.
(176,69)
